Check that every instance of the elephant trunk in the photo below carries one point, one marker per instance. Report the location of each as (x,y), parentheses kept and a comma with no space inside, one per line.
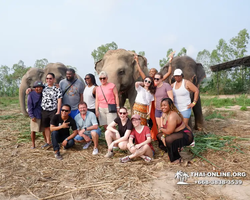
(22,94)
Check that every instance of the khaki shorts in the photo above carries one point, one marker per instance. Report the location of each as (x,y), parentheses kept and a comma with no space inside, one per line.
(105,118)
(35,126)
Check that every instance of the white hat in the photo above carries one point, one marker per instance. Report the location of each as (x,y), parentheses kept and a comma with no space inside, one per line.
(177,72)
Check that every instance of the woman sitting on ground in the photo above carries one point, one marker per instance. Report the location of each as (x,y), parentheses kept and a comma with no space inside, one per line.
(145,96)
(173,134)
(120,136)
(142,147)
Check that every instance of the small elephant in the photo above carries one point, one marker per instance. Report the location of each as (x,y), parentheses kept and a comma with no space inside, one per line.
(34,74)
(122,71)
(193,72)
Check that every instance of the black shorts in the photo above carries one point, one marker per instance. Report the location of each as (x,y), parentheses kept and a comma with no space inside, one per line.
(91,110)
(46,117)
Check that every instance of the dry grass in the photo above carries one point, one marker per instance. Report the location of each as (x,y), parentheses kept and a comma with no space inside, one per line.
(82,176)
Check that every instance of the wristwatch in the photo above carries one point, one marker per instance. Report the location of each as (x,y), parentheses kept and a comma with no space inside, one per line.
(67,139)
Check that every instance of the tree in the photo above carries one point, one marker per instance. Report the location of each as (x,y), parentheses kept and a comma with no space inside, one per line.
(182,52)
(164,61)
(203,57)
(98,53)
(41,63)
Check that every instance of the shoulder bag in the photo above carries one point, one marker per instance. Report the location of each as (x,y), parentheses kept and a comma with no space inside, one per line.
(111,107)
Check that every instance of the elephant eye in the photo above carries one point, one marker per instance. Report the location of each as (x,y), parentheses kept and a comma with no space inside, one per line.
(121,72)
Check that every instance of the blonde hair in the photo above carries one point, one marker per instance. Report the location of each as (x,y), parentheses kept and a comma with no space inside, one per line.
(103,73)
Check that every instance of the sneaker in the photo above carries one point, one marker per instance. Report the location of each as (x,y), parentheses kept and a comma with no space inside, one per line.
(46,146)
(95,151)
(58,156)
(109,155)
(147,159)
(125,159)
(87,145)
(192,144)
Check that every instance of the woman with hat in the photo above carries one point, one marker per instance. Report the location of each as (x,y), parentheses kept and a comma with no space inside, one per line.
(142,137)
(181,90)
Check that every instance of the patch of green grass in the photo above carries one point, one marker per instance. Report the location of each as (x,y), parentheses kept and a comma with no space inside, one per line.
(6,101)
(243,108)
(203,142)
(214,115)
(5,117)
(242,100)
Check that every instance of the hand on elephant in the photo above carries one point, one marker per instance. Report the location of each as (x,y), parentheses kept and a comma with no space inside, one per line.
(136,58)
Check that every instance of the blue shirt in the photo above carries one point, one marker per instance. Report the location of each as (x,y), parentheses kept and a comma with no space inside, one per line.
(90,120)
(34,105)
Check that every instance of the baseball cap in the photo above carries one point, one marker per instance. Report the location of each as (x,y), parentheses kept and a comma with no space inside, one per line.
(38,84)
(177,72)
(136,116)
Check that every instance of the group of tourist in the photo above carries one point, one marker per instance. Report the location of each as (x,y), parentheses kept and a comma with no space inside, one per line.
(71,106)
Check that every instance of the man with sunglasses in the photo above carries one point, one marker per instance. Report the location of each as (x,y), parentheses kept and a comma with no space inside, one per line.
(59,126)
(72,90)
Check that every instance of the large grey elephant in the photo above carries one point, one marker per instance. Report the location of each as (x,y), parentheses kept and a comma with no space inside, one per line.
(193,72)
(122,71)
(34,74)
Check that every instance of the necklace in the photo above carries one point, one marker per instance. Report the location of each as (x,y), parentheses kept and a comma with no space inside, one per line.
(165,118)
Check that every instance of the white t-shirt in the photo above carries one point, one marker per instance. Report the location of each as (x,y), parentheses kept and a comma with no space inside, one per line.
(88,97)
(143,96)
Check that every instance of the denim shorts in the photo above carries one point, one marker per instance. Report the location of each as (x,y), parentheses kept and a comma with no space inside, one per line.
(79,138)
(186,113)
(158,113)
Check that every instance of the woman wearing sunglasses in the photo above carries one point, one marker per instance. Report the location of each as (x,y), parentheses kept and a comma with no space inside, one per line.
(118,138)
(106,94)
(145,96)
(163,90)
(89,93)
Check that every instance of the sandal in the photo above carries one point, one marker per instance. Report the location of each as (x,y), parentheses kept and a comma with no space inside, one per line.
(125,159)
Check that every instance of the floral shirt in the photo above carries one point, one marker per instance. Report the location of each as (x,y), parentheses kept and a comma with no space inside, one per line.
(50,96)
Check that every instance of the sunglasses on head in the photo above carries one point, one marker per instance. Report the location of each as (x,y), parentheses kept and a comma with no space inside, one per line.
(156,79)
(49,78)
(147,81)
(102,78)
(123,113)
(63,110)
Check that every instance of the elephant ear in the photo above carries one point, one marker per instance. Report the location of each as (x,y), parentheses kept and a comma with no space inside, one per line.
(143,64)
(200,73)
(99,66)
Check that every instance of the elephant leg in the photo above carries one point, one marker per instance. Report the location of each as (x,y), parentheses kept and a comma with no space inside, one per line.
(131,96)
(197,109)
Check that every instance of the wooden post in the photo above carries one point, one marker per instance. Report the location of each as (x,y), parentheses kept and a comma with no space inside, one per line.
(217,82)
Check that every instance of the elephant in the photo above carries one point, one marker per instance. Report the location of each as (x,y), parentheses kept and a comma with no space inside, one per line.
(122,71)
(34,74)
(193,72)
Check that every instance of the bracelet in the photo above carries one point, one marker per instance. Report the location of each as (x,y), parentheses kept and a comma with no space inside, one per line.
(194,103)
(163,136)
(117,106)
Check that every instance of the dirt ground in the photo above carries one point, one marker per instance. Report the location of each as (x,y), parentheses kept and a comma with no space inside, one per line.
(35,174)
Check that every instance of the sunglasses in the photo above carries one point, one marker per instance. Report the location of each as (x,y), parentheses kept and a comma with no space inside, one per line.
(123,113)
(147,81)
(156,79)
(49,78)
(87,78)
(104,78)
(65,110)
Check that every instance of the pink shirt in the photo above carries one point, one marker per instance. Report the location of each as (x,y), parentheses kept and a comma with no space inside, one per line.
(161,93)
(109,94)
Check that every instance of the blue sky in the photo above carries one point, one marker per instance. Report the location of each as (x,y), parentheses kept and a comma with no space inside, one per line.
(68,31)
